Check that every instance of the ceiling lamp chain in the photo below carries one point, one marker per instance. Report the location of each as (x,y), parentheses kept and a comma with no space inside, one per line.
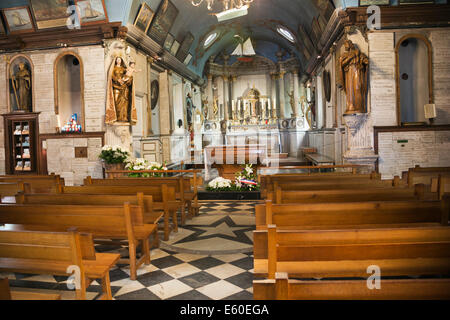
(227,4)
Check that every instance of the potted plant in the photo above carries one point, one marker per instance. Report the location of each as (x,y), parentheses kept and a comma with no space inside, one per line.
(113,158)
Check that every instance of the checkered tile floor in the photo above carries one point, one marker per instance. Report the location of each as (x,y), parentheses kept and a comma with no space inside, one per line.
(171,275)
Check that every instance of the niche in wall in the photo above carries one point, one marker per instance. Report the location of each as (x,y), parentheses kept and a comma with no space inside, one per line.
(69,88)
(414,78)
(20,84)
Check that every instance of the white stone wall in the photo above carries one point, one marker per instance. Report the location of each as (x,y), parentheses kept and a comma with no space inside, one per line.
(61,159)
(441,74)
(60,156)
(3,109)
(424,148)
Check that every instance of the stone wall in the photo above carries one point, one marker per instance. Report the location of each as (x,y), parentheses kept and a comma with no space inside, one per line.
(61,159)
(400,151)
(60,152)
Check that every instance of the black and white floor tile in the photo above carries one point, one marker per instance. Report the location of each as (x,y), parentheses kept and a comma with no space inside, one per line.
(210,258)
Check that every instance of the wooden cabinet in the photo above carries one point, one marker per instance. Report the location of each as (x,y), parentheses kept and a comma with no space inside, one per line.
(21,138)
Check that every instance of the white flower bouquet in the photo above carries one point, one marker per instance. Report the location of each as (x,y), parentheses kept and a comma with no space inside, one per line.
(140,164)
(113,155)
(220,184)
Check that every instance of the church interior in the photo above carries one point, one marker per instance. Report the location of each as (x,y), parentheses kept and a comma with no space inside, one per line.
(224,150)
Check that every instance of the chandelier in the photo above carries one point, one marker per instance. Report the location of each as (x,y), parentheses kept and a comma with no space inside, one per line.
(227,4)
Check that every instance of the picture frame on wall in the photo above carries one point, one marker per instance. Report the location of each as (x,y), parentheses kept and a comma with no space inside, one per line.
(415,1)
(185,46)
(315,28)
(306,39)
(144,18)
(169,42)
(18,20)
(163,21)
(175,47)
(92,11)
(188,59)
(2,28)
(366,3)
(50,14)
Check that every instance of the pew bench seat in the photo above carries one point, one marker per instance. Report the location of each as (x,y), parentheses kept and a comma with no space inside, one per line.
(356,268)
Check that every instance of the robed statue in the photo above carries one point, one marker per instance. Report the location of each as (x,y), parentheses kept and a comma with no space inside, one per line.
(21,82)
(189,109)
(120,104)
(354,65)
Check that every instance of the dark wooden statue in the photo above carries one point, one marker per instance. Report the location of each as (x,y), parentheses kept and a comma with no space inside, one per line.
(354,65)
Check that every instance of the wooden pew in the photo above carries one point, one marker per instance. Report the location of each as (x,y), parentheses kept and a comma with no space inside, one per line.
(267,181)
(345,214)
(104,222)
(424,175)
(347,253)
(164,199)
(52,253)
(150,216)
(348,195)
(184,192)
(13,188)
(38,184)
(13,294)
(283,288)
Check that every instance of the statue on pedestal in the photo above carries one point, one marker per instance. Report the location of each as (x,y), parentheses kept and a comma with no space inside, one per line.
(354,65)
(21,82)
(120,105)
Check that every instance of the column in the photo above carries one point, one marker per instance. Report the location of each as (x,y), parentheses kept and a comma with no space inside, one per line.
(164,104)
(150,61)
(171,102)
(210,95)
(274,102)
(184,93)
(226,110)
(282,95)
(296,94)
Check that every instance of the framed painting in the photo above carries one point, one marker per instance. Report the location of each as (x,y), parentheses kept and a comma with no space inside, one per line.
(315,28)
(18,20)
(415,1)
(306,39)
(366,3)
(169,42)
(163,21)
(154,87)
(92,11)
(185,46)
(2,28)
(144,18)
(175,47)
(50,13)
(188,59)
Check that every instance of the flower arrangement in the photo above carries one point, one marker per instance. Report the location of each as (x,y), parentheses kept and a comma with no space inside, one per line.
(219,184)
(113,155)
(140,164)
(246,180)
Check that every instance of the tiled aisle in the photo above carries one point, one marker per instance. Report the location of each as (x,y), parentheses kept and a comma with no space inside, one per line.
(180,275)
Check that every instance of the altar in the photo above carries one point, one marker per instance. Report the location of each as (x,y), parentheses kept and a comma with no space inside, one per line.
(229,159)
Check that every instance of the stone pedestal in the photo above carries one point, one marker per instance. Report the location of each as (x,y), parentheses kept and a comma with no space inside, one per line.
(359,146)
(119,134)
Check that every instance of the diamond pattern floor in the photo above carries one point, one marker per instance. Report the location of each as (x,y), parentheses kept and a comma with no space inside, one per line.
(171,274)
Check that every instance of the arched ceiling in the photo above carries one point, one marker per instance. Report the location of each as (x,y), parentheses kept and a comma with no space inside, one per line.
(261,22)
